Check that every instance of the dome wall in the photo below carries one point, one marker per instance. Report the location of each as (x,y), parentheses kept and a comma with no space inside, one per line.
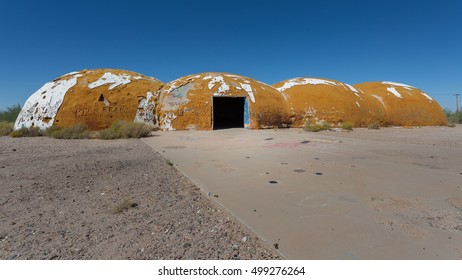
(94,97)
(402,105)
(322,100)
(187,103)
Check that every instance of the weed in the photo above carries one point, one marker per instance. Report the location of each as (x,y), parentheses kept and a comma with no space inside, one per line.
(316,127)
(125,205)
(347,126)
(374,125)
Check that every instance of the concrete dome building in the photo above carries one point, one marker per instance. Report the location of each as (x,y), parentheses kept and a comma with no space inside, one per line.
(402,105)
(94,97)
(219,100)
(316,100)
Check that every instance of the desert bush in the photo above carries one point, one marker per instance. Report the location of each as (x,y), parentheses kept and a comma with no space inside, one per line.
(374,125)
(78,131)
(347,126)
(455,117)
(27,132)
(123,129)
(451,124)
(316,127)
(10,114)
(6,128)
(136,130)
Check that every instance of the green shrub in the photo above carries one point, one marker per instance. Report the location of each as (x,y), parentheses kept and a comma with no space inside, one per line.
(347,126)
(455,117)
(6,128)
(10,114)
(123,129)
(317,126)
(374,125)
(27,132)
(78,131)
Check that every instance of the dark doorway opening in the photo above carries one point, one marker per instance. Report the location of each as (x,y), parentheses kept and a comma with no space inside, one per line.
(228,112)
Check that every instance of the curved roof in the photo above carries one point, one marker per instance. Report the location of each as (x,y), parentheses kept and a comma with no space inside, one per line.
(95,97)
(186,103)
(400,104)
(322,100)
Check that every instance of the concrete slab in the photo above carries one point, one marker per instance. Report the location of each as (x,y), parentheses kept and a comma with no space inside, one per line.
(316,196)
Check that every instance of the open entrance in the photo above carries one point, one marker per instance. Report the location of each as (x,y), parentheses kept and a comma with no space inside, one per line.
(229,112)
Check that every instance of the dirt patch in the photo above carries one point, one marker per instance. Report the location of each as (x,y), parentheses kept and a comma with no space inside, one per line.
(118,199)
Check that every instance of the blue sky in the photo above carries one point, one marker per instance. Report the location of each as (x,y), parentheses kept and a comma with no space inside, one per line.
(414,42)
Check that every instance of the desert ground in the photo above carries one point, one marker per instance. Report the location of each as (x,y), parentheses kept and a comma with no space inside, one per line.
(393,193)
(116,199)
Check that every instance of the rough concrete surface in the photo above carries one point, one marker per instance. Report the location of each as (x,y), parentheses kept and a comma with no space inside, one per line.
(116,199)
(393,193)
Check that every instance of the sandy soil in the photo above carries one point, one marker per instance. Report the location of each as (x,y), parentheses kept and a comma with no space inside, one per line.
(393,193)
(436,136)
(93,199)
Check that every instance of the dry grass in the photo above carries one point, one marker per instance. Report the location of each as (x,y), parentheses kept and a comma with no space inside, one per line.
(78,131)
(123,129)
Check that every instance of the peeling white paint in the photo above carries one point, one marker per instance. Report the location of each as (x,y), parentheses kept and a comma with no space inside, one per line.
(427,96)
(207,77)
(224,87)
(176,97)
(353,89)
(398,84)
(43,104)
(305,81)
(137,77)
(167,121)
(109,78)
(395,92)
(379,98)
(358,104)
(71,73)
(248,89)
(146,110)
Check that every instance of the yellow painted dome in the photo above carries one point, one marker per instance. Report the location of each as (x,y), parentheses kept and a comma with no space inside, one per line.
(398,104)
(317,100)
(95,97)
(212,100)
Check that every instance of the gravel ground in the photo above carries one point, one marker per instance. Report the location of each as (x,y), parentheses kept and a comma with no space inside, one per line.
(117,199)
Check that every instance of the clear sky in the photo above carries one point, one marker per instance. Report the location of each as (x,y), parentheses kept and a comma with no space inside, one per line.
(413,42)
